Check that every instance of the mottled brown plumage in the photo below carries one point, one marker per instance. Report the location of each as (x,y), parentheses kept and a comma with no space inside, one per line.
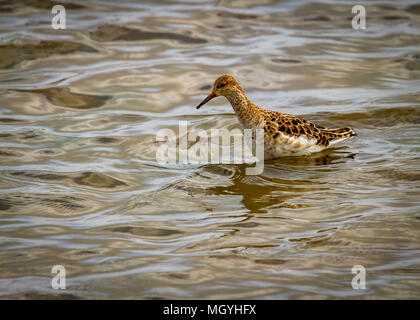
(276,122)
(284,134)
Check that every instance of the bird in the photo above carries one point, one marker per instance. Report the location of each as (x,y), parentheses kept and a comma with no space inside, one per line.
(284,134)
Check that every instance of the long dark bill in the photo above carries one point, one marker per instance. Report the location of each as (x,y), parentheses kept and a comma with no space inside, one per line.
(209,97)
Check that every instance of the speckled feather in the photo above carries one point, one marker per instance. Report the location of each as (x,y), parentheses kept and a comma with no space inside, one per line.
(284,134)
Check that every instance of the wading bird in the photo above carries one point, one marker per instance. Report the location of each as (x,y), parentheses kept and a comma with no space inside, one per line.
(284,134)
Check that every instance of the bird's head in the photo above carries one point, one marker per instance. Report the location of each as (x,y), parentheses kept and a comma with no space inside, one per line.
(225,85)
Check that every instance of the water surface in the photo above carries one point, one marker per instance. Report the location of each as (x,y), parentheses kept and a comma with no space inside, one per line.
(80,185)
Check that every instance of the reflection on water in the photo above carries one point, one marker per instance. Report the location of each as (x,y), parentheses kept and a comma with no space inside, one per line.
(80,185)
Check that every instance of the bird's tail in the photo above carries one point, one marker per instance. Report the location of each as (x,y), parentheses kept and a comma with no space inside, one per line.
(335,135)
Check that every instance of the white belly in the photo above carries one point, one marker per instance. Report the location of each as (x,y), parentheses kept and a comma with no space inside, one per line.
(285,145)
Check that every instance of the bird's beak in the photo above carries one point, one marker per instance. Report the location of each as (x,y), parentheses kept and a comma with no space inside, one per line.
(209,97)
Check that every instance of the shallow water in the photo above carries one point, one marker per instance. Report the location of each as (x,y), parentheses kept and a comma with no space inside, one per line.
(80,185)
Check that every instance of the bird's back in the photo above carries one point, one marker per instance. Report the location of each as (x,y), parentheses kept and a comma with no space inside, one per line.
(289,135)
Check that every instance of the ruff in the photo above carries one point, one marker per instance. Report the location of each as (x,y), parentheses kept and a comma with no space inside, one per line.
(284,134)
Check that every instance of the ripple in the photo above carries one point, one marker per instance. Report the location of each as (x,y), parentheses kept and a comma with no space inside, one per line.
(415,9)
(64,97)
(383,117)
(118,33)
(278,60)
(12,54)
(41,4)
(98,180)
(46,204)
(271,262)
(147,232)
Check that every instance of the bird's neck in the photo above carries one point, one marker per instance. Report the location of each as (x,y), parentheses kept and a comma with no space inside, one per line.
(248,114)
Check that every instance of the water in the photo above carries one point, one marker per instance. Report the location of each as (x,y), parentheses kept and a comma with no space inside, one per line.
(80,185)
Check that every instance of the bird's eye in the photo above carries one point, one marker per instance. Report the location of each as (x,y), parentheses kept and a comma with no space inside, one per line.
(221,85)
